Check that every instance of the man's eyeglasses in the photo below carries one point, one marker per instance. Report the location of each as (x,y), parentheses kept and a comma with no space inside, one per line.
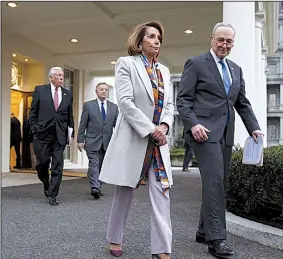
(222,41)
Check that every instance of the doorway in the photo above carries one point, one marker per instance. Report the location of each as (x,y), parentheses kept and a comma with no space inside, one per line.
(20,106)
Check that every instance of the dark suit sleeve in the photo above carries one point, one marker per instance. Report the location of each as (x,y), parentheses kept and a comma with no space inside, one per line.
(71,117)
(116,116)
(186,93)
(83,124)
(244,108)
(34,109)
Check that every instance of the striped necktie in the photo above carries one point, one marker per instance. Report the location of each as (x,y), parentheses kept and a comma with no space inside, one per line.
(226,78)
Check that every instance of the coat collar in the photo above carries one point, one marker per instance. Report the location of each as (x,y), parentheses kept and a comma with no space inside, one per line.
(139,65)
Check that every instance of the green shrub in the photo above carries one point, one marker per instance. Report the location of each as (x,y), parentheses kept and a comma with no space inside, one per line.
(257,192)
(178,154)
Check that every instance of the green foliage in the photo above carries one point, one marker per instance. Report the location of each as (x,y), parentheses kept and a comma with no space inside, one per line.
(177,152)
(257,192)
(177,157)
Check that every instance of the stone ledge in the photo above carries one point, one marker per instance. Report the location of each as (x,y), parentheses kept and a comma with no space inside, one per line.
(254,231)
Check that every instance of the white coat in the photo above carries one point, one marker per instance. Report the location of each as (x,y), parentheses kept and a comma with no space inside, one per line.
(125,154)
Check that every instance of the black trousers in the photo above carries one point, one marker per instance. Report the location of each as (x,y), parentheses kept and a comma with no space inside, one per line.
(189,154)
(17,147)
(46,150)
(214,161)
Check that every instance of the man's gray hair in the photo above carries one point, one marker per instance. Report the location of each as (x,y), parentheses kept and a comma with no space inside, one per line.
(101,83)
(53,70)
(222,24)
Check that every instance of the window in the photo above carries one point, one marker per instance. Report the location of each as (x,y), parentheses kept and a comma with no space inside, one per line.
(273,93)
(272,99)
(273,128)
(272,69)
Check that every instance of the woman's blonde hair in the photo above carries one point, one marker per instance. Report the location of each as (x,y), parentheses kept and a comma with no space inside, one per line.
(137,34)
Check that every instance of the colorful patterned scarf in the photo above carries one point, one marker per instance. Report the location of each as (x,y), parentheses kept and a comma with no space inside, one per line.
(153,155)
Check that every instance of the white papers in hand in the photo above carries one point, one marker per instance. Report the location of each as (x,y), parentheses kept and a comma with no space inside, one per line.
(253,151)
(70,132)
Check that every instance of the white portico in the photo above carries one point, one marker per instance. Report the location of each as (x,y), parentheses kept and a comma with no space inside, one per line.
(253,22)
(102,29)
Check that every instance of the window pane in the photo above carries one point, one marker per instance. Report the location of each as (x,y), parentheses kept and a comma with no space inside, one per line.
(272,99)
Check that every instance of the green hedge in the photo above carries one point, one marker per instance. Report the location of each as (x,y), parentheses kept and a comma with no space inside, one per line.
(257,192)
(178,154)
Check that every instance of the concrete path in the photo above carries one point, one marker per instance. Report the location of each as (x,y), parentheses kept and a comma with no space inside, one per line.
(31,229)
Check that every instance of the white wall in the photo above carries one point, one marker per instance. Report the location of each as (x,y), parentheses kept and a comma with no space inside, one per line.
(5,102)
(15,44)
(87,93)
(93,81)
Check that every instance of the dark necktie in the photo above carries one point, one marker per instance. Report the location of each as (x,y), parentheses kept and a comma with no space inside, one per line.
(103,113)
(56,99)
(226,78)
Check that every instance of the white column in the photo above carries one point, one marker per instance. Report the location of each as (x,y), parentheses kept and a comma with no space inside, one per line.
(281,94)
(243,53)
(5,103)
(1,115)
(264,82)
(260,81)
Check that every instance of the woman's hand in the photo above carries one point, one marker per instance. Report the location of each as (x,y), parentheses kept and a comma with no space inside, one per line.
(160,134)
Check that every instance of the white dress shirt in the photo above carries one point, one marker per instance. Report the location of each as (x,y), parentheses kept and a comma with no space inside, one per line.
(59,93)
(219,66)
(105,105)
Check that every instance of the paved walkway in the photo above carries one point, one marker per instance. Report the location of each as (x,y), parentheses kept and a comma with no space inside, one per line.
(31,229)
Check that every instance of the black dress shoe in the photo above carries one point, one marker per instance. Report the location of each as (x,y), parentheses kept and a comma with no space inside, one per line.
(46,193)
(95,193)
(200,238)
(53,201)
(220,250)
(101,193)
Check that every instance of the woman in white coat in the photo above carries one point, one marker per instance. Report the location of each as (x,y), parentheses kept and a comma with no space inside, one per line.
(138,147)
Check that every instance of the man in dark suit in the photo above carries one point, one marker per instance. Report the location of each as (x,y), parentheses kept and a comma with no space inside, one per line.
(211,87)
(50,116)
(96,127)
(16,138)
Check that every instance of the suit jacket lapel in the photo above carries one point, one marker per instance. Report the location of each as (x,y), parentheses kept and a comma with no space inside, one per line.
(64,95)
(49,95)
(109,110)
(214,69)
(144,76)
(232,72)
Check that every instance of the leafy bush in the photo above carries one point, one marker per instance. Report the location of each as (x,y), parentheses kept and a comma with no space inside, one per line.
(178,154)
(257,192)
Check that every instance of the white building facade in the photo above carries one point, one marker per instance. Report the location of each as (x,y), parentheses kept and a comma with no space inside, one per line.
(275,89)
(256,37)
